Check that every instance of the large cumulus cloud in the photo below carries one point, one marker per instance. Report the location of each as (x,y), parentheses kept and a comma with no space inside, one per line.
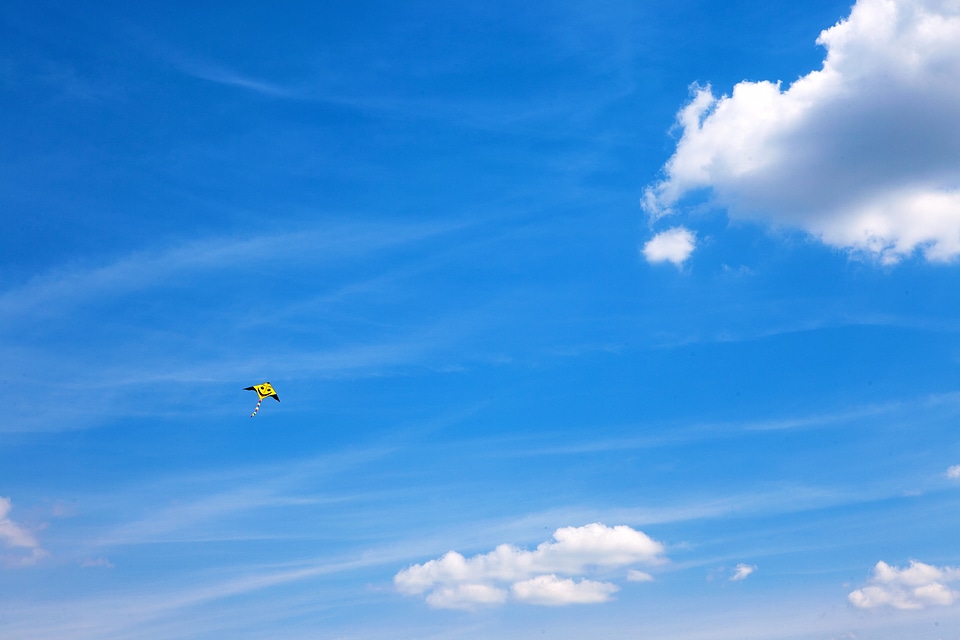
(915,587)
(551,574)
(864,153)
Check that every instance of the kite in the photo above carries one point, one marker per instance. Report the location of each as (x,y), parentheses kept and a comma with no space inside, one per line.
(264,390)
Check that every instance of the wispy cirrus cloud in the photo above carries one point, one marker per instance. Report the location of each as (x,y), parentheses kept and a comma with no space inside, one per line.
(118,614)
(98,563)
(56,386)
(532,577)
(742,571)
(224,76)
(150,268)
(862,153)
(223,505)
(204,68)
(634,575)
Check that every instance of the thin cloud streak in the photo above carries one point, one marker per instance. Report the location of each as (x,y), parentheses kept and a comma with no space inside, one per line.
(147,269)
(728,430)
(106,391)
(231,492)
(223,76)
(116,615)
(511,114)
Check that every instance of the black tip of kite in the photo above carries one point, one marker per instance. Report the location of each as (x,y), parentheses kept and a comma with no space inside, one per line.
(249,389)
(276,397)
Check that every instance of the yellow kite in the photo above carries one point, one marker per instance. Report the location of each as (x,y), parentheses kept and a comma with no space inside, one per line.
(264,390)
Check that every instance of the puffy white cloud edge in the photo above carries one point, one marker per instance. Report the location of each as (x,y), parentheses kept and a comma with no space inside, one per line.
(915,587)
(954,472)
(550,575)
(553,591)
(14,536)
(863,154)
(674,245)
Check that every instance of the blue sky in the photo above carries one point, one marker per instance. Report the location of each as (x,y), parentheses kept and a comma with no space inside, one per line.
(588,320)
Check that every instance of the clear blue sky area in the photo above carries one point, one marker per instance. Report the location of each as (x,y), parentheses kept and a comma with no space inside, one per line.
(638,381)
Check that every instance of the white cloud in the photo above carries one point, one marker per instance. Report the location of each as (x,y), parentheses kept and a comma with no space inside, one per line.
(741,571)
(466,596)
(456,581)
(553,591)
(954,472)
(864,153)
(15,536)
(10,533)
(674,245)
(916,587)
(96,562)
(639,576)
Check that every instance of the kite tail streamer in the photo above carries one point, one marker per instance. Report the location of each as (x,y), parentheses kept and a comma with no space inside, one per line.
(258,407)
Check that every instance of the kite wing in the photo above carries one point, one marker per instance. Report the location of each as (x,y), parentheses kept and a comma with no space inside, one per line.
(264,390)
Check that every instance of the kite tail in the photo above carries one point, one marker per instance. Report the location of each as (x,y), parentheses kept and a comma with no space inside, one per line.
(258,407)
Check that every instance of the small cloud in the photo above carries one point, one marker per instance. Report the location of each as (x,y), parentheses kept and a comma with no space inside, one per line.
(551,574)
(62,510)
(741,571)
(13,535)
(916,587)
(954,472)
(740,271)
(96,562)
(553,591)
(638,576)
(673,245)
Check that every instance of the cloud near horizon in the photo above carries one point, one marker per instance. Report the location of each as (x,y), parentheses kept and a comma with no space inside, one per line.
(916,587)
(13,535)
(863,154)
(551,575)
